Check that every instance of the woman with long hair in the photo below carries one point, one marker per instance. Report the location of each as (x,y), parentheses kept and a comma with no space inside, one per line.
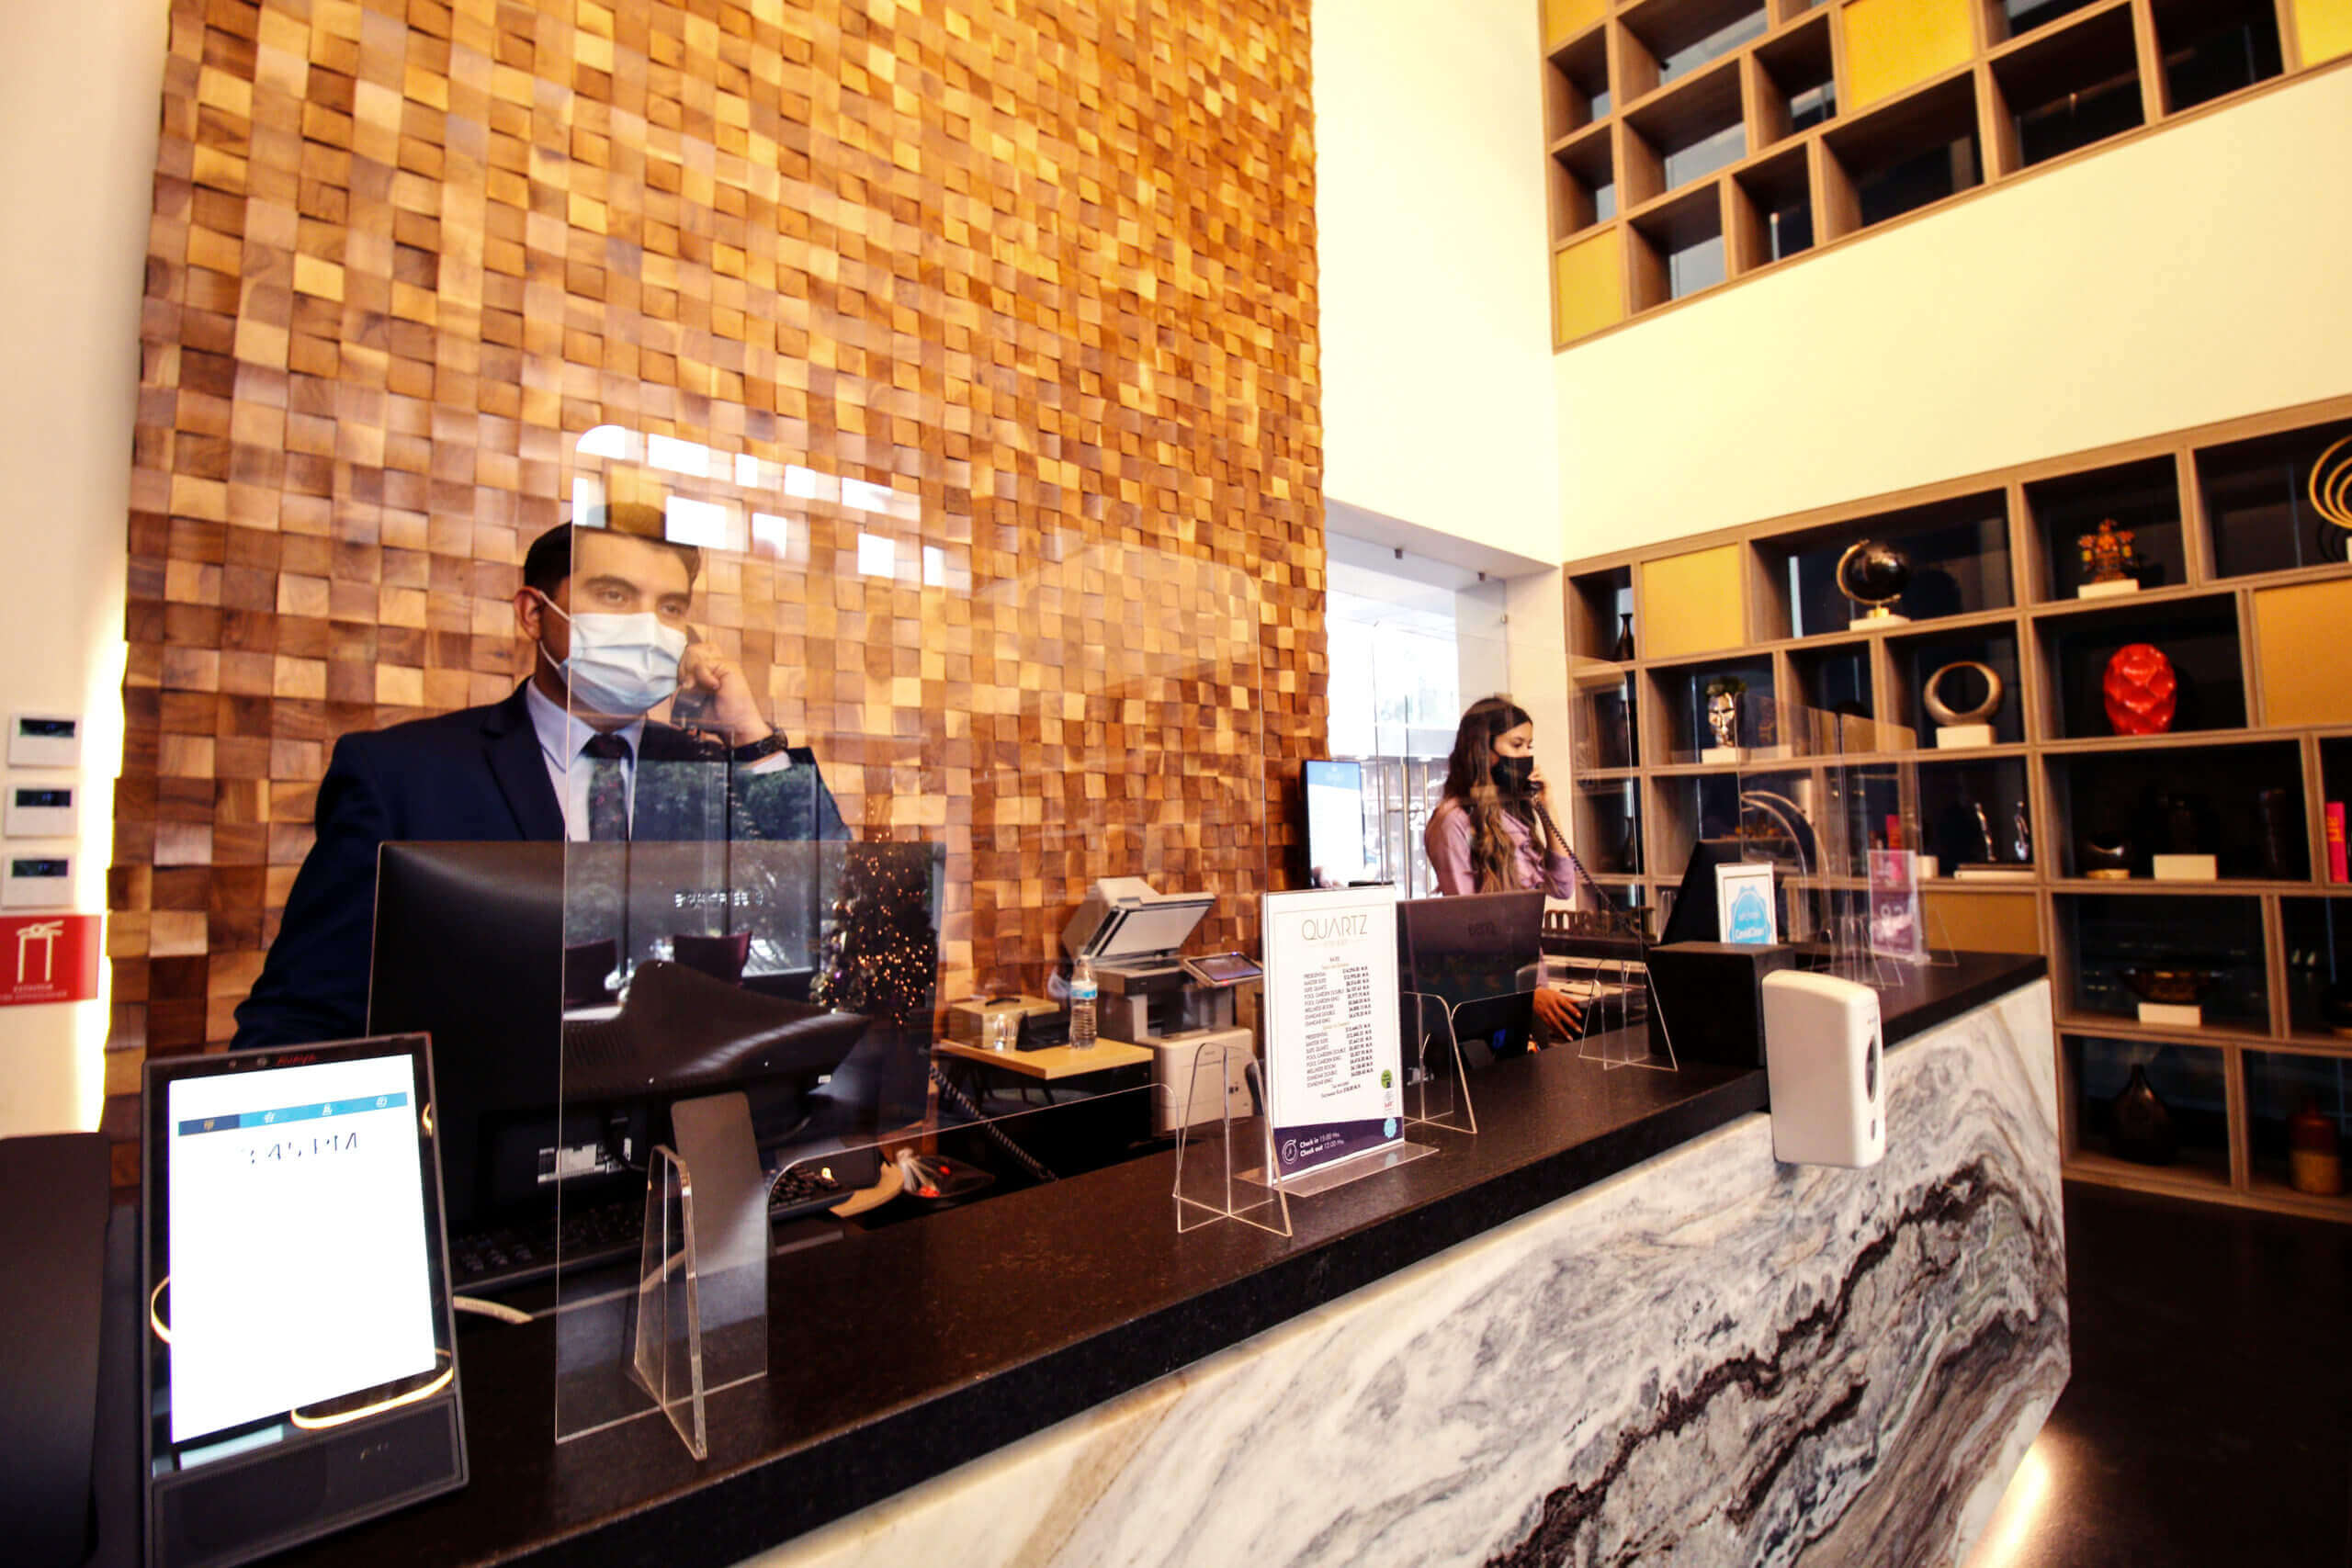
(1488,835)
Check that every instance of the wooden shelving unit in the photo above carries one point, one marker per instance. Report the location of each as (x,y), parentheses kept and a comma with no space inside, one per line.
(2243,589)
(1697,142)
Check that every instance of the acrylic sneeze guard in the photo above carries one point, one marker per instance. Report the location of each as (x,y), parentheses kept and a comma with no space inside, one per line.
(814,937)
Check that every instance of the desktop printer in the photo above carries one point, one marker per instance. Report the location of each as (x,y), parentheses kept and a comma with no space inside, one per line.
(1174,1007)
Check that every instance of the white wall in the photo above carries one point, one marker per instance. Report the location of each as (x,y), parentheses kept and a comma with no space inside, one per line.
(80,91)
(2199,274)
(1436,324)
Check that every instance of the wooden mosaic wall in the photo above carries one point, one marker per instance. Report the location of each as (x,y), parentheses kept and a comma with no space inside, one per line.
(1039,272)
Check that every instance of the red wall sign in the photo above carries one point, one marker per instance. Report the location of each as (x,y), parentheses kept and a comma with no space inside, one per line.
(48,958)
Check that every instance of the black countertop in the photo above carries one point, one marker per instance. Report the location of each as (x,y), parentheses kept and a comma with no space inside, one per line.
(899,1353)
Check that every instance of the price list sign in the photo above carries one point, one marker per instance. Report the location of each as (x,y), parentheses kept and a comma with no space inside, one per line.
(1333,1062)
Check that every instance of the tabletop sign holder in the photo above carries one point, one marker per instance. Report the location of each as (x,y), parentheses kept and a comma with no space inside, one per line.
(1212,1143)
(1333,1063)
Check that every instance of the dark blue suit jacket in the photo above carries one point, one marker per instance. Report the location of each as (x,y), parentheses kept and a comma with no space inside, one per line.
(478,773)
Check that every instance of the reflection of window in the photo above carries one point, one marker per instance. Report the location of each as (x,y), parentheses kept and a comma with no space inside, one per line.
(1395,686)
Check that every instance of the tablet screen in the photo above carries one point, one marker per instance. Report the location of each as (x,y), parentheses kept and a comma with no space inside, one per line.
(299,1264)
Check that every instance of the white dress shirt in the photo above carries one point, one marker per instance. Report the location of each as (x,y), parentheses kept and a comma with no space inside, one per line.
(562,736)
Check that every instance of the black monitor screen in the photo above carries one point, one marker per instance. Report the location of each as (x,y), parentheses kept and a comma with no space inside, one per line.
(1470,946)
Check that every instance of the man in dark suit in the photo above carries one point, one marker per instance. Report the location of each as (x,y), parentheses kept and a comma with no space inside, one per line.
(571,754)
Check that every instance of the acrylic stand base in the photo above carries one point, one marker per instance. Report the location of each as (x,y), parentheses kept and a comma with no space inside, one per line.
(1432,1098)
(701,1298)
(1211,1144)
(2185,868)
(1324,1177)
(2172,1015)
(1962,737)
(2107,590)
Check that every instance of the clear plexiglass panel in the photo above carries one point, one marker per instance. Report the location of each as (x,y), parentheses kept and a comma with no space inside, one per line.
(831,786)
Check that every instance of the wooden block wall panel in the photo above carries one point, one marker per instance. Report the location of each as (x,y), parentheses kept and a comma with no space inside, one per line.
(2299,633)
(2322,30)
(1983,923)
(1045,272)
(1565,18)
(1588,283)
(1895,44)
(1690,604)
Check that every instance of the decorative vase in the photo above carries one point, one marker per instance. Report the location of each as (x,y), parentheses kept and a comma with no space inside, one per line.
(2143,1130)
(2279,826)
(2314,1153)
(2140,691)
(1623,651)
(2105,857)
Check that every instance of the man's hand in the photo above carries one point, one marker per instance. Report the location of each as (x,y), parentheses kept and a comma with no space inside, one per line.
(704,668)
(1561,1015)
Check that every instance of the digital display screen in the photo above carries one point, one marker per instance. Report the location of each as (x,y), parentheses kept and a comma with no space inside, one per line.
(36,868)
(1335,836)
(1224,968)
(52,798)
(299,1264)
(47,728)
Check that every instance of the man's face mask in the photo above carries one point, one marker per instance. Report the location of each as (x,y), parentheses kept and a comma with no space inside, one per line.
(619,664)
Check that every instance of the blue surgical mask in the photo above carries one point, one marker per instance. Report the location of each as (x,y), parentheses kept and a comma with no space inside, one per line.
(619,665)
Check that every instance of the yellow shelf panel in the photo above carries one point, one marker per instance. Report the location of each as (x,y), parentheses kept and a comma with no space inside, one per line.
(1692,604)
(1565,19)
(1588,283)
(1983,923)
(2323,28)
(1895,44)
(2301,633)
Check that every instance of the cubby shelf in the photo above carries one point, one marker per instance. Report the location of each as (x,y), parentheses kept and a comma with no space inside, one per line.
(2271,651)
(1806,123)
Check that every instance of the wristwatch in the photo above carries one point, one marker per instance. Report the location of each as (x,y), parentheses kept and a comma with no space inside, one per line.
(758,748)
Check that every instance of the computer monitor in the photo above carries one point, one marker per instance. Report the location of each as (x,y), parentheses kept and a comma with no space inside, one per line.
(1334,793)
(1694,916)
(470,947)
(1468,946)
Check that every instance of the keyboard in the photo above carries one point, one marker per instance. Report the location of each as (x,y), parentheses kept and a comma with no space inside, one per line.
(604,1233)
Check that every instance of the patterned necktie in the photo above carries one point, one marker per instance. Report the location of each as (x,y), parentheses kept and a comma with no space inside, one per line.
(607,788)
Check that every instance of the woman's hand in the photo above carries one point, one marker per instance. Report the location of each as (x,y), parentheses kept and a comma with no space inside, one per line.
(1534,780)
(1559,1013)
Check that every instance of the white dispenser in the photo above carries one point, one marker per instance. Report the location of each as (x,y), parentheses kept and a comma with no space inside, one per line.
(1822,1051)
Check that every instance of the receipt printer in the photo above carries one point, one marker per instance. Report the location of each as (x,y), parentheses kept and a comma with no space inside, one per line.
(1822,1050)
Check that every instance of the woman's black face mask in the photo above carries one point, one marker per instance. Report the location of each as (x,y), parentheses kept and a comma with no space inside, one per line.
(1513,774)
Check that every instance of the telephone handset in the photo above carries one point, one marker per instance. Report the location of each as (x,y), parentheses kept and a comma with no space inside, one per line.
(690,708)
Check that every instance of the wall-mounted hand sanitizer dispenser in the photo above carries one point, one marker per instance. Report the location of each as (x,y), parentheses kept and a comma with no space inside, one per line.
(1822,1051)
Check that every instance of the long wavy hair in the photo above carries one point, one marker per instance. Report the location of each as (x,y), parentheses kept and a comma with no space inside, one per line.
(1470,782)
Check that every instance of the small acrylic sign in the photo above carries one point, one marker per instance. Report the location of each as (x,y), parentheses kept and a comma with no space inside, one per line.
(1896,928)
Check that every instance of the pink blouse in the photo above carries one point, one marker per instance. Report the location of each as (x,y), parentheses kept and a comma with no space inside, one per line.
(1448,838)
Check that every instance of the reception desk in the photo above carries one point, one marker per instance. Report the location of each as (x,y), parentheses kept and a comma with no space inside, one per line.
(1609,1324)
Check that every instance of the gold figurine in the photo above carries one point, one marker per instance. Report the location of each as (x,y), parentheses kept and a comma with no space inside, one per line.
(2108,556)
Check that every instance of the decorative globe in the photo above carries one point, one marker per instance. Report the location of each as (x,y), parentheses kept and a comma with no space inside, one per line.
(1874,572)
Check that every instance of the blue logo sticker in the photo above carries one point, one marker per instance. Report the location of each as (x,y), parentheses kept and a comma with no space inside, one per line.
(1751,918)
(1388,1128)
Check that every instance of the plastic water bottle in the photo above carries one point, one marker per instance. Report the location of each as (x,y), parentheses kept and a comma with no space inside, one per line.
(1081,1004)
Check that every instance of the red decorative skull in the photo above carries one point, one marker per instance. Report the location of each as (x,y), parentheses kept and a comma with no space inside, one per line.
(2141,689)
